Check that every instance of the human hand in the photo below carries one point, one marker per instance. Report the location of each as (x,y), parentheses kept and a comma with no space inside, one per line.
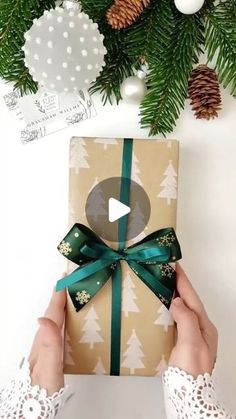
(46,357)
(197,338)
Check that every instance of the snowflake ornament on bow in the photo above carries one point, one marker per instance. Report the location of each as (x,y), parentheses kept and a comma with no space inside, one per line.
(166,240)
(64,248)
(82,297)
(166,270)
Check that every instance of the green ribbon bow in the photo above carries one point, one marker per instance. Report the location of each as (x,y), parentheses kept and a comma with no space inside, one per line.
(98,262)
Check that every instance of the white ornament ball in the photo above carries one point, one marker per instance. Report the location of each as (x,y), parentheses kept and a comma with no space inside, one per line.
(189,7)
(133,89)
(67,46)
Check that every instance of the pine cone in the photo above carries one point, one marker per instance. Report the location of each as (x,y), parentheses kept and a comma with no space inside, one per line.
(124,12)
(204,93)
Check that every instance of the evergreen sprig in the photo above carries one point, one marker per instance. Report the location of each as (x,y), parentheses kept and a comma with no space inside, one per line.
(16,17)
(221,42)
(118,63)
(170,67)
(146,34)
(170,43)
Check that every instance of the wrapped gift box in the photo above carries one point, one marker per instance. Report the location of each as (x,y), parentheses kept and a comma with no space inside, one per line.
(147,331)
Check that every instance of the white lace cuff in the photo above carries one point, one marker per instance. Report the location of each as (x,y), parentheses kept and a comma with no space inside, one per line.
(187,397)
(22,400)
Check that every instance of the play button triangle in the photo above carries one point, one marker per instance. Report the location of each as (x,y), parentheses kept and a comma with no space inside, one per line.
(117,209)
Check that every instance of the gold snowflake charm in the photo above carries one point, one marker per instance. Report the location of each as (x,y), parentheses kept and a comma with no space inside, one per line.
(166,270)
(64,248)
(82,297)
(166,240)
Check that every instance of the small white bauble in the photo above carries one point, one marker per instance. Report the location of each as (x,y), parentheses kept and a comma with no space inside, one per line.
(64,49)
(189,7)
(133,89)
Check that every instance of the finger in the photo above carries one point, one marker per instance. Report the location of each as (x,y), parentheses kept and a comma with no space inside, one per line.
(191,298)
(55,312)
(46,326)
(49,332)
(187,322)
(48,370)
(34,351)
(56,308)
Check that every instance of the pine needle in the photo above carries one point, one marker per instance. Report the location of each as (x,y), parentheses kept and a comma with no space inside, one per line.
(221,42)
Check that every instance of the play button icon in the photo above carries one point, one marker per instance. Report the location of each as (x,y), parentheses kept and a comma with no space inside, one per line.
(117,210)
(105,207)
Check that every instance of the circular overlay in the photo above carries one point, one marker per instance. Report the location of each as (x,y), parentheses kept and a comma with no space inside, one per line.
(97,209)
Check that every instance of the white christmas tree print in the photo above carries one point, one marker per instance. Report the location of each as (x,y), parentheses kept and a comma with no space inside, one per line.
(136,220)
(68,358)
(96,206)
(162,366)
(135,170)
(99,368)
(78,155)
(164,318)
(133,354)
(169,184)
(128,296)
(106,141)
(91,329)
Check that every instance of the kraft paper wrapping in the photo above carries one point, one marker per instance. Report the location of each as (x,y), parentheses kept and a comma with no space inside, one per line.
(147,336)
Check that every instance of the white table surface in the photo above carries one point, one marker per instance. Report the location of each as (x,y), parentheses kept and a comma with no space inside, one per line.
(33,209)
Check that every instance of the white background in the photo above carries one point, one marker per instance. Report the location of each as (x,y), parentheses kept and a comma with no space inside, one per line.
(33,206)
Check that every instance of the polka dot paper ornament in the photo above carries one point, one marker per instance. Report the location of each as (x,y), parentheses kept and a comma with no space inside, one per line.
(189,7)
(64,49)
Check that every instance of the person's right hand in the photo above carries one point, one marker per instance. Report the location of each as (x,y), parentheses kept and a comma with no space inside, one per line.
(46,357)
(197,338)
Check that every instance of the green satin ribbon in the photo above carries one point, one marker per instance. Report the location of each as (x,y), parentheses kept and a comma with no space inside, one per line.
(98,262)
(127,157)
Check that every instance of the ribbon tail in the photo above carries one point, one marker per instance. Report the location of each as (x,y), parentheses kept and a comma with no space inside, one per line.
(116,321)
(84,291)
(81,273)
(153,283)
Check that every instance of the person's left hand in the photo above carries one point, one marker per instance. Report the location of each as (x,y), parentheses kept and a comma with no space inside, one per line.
(46,357)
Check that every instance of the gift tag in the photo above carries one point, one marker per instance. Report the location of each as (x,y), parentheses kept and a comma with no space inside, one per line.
(46,112)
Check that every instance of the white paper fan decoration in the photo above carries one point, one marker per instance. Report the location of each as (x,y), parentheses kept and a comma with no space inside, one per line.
(64,50)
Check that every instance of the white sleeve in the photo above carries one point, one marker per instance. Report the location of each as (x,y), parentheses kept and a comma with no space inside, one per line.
(22,400)
(187,397)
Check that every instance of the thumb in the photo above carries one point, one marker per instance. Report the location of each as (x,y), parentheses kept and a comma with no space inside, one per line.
(50,341)
(50,332)
(187,322)
(49,365)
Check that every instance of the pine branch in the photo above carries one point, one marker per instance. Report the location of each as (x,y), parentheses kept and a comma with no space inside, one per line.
(96,9)
(22,80)
(221,42)
(118,63)
(118,66)
(16,17)
(170,66)
(147,36)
